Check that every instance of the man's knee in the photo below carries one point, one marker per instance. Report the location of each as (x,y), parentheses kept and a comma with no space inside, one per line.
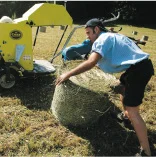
(132,112)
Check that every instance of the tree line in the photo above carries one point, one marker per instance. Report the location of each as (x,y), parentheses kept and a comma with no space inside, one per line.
(135,12)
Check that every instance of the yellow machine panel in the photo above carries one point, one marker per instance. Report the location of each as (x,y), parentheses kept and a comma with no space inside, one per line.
(16,44)
(44,14)
(16,53)
(16,37)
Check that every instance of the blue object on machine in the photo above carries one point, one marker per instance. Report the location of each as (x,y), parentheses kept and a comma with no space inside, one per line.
(77,51)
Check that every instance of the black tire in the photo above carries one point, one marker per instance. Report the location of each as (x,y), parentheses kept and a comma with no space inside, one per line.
(7,85)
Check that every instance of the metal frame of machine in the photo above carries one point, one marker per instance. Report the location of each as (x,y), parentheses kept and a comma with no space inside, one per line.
(16,53)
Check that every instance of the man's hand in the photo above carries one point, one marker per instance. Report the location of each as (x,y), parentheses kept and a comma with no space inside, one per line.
(62,78)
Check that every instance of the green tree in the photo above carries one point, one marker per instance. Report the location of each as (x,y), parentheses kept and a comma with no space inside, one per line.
(14,8)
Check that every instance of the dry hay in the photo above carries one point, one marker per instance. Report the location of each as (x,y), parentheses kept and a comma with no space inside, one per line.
(82,99)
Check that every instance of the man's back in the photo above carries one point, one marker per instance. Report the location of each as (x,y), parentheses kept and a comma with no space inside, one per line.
(118,52)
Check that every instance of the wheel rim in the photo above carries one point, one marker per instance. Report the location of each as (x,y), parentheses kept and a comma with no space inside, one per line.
(5,84)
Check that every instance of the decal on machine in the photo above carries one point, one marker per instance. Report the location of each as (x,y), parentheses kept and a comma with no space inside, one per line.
(26,57)
(16,34)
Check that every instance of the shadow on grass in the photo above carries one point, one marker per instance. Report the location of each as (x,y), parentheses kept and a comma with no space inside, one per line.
(107,137)
(33,93)
(111,138)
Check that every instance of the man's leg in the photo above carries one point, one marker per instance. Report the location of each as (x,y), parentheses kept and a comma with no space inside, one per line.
(139,126)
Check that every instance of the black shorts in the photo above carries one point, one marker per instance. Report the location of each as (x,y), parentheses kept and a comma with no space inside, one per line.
(135,80)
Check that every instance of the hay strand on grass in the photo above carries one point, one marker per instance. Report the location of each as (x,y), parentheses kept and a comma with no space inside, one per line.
(82,99)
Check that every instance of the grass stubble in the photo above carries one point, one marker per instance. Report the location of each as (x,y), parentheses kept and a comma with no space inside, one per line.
(28,128)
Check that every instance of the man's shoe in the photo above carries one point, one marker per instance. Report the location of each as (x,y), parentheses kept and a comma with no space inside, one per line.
(122,119)
(141,153)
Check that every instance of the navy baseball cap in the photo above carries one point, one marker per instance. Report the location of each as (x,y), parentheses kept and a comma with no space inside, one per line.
(95,22)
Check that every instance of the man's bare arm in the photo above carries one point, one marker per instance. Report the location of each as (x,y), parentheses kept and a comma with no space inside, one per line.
(85,66)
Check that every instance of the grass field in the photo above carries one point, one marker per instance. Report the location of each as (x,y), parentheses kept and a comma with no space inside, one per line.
(28,128)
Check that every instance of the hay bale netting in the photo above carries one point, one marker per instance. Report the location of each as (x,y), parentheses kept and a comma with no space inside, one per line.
(82,99)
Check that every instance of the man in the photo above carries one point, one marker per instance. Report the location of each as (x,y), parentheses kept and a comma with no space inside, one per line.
(113,53)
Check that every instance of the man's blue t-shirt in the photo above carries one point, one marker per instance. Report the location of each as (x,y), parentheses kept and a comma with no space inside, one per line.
(118,52)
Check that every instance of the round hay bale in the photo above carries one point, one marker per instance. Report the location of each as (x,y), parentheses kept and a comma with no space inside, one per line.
(82,99)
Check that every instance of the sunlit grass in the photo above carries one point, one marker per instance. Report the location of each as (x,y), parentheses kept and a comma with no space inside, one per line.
(27,126)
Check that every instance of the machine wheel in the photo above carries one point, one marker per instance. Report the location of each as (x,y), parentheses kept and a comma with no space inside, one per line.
(7,85)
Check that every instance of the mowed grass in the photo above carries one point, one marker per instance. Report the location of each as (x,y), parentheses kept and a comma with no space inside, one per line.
(28,128)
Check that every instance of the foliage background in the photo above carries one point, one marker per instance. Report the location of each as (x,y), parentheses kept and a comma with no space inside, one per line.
(136,12)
